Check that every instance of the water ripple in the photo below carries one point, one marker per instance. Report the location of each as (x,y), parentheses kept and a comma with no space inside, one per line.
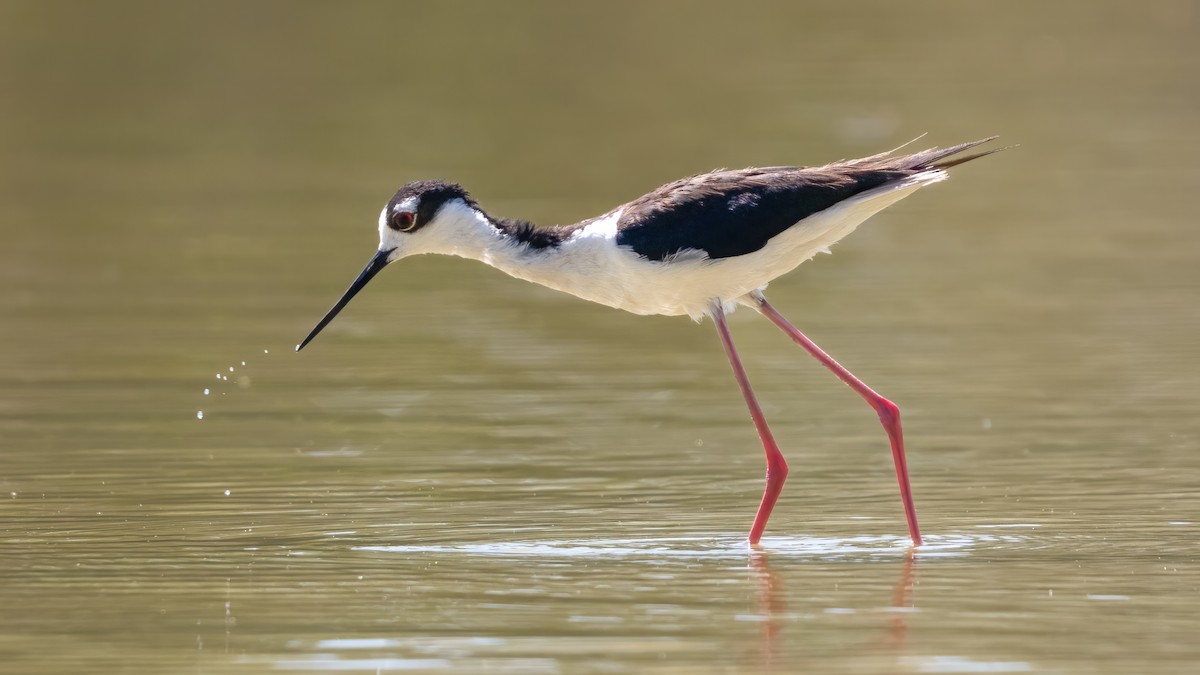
(862,547)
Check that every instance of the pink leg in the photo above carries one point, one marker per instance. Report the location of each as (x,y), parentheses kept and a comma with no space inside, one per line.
(889,414)
(776,466)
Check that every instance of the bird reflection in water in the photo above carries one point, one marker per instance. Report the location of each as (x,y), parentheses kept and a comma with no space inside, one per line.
(771,604)
(902,606)
(772,607)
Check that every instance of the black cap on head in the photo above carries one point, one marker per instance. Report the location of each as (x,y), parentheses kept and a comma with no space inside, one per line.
(431,195)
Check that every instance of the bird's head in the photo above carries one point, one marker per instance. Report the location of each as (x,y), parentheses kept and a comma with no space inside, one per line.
(413,221)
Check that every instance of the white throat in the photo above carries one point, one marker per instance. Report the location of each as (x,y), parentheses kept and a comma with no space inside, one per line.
(463,231)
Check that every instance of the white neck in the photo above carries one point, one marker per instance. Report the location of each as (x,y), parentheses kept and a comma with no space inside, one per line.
(467,233)
(587,265)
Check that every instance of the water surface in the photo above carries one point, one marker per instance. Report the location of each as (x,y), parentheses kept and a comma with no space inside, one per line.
(465,473)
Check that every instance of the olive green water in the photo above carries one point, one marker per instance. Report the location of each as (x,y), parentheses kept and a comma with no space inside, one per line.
(466,473)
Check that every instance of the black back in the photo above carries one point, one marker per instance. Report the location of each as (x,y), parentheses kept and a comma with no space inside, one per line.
(732,213)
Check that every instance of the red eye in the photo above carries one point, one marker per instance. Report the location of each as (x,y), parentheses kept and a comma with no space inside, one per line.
(402,221)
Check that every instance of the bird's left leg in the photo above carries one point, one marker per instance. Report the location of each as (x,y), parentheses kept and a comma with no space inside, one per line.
(777,469)
(889,414)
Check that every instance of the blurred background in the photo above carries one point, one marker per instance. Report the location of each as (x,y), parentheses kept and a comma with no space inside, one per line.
(468,473)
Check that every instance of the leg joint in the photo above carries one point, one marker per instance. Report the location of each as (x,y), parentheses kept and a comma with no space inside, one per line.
(889,413)
(777,470)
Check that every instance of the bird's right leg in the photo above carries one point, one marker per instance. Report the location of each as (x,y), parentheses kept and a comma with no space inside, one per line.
(777,469)
(889,414)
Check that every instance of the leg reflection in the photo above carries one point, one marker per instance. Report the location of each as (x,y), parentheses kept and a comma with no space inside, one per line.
(902,606)
(772,607)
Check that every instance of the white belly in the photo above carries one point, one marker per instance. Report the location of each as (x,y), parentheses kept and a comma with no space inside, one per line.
(591,266)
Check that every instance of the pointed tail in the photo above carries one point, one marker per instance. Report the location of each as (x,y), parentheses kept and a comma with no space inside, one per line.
(938,158)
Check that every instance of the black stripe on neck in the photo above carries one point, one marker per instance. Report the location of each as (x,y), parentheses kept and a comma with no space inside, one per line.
(525,232)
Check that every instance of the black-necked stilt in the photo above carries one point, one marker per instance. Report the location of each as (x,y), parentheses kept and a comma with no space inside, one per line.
(699,246)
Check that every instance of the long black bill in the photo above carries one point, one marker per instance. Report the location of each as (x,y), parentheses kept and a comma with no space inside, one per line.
(377,263)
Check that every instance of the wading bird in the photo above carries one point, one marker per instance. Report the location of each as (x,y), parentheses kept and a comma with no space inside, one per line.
(699,246)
